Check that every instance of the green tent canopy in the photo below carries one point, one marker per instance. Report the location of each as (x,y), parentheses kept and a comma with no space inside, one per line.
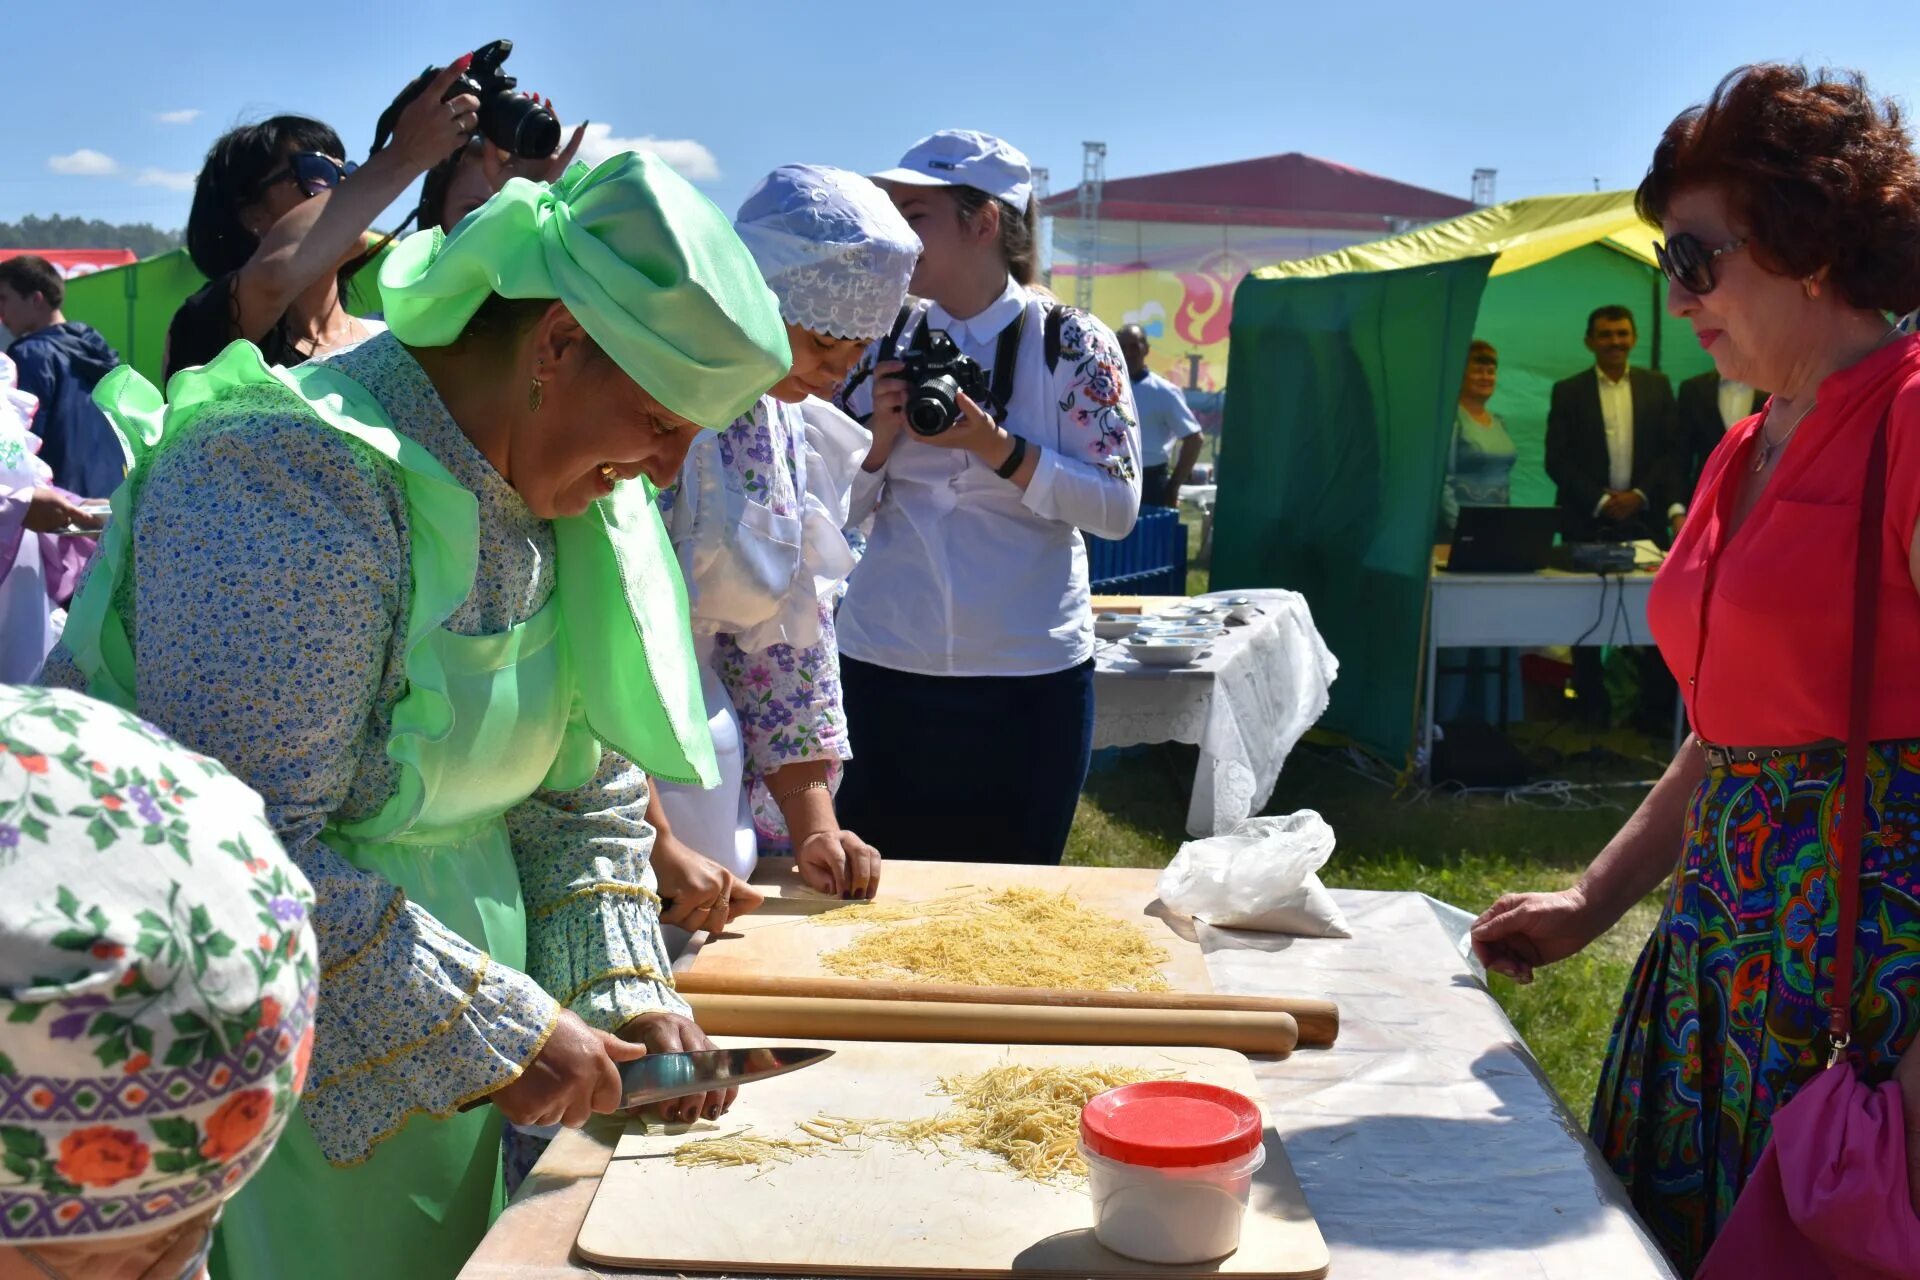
(1343,378)
(132,306)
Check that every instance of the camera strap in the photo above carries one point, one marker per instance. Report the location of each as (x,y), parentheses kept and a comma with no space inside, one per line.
(1006,358)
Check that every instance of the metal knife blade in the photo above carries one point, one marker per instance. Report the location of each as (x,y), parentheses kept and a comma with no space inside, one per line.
(660,1076)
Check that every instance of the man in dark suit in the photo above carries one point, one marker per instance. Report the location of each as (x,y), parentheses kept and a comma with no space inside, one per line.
(1613,449)
(1611,441)
(1709,406)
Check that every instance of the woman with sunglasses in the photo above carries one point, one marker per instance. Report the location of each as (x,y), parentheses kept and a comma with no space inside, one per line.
(1791,207)
(279,222)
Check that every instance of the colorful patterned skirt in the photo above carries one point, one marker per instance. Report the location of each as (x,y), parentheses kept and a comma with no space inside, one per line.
(1723,1020)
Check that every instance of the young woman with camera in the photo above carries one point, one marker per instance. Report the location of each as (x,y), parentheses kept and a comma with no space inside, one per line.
(966,637)
(279,218)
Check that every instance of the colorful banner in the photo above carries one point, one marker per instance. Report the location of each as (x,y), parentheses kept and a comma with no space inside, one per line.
(1176,281)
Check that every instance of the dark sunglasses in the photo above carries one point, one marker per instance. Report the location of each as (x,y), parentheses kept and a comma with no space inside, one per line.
(314,172)
(1689,264)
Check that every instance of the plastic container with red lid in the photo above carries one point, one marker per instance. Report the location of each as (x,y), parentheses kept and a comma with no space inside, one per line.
(1171,1165)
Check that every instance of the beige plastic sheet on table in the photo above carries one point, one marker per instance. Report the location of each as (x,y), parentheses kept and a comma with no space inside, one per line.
(1426,1139)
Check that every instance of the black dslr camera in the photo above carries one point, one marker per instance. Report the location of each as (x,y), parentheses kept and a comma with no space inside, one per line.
(937,373)
(511,121)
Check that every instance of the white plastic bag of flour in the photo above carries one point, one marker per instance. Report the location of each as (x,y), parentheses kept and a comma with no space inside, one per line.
(1261,875)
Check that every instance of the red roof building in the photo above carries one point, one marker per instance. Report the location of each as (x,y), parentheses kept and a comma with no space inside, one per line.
(1170,248)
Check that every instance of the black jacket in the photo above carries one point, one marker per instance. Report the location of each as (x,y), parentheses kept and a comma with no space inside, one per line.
(62,364)
(1701,427)
(1577,454)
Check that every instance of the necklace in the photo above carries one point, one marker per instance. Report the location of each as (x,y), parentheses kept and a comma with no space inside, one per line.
(1764,454)
(1768,448)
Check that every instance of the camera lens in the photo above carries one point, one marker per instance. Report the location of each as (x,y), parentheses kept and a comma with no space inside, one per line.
(520,125)
(933,406)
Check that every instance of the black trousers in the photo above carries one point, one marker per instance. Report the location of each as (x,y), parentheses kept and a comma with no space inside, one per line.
(965,768)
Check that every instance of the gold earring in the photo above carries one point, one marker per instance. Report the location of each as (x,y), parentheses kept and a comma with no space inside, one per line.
(534,395)
(1812,288)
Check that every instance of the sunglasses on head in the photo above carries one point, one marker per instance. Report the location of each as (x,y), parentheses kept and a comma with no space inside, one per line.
(314,172)
(1689,264)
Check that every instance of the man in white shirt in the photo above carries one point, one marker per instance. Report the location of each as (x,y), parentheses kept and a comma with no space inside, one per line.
(1709,406)
(1164,418)
(1612,441)
(1613,450)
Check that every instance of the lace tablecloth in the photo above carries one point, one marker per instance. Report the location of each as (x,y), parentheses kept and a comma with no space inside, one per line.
(1245,706)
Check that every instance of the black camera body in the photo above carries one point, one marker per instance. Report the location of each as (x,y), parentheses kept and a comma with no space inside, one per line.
(513,122)
(936,373)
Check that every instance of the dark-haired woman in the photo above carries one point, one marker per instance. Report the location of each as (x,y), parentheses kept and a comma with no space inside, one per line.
(418,596)
(278,219)
(1791,208)
(966,637)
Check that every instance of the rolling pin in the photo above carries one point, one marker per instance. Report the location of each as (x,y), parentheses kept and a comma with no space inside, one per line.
(804,1017)
(1318,1020)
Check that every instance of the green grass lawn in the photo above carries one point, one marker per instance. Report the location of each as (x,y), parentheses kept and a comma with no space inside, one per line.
(1465,851)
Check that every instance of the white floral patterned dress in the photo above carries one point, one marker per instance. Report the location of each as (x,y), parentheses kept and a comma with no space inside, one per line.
(756,519)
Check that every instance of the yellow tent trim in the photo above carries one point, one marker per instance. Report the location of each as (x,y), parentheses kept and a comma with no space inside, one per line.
(1518,234)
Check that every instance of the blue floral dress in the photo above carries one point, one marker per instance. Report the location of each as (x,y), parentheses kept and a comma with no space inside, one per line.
(264,612)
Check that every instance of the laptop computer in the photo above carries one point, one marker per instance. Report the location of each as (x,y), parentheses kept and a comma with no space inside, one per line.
(1503,539)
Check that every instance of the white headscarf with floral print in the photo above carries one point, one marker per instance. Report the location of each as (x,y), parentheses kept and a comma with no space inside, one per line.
(157,975)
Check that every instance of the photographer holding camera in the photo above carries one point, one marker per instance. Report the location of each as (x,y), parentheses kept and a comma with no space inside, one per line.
(518,137)
(1003,425)
(279,223)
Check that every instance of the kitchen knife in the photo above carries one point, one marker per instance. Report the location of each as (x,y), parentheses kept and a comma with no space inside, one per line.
(660,1076)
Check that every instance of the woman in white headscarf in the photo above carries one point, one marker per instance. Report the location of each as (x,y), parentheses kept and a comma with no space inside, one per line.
(757,518)
(158,977)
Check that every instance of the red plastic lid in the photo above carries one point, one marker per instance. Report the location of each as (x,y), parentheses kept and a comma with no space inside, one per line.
(1170,1124)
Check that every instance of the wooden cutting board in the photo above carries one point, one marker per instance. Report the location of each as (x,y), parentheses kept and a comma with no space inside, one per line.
(886,1209)
(778,939)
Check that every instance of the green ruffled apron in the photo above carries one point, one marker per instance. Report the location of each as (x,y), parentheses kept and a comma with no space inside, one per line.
(485,721)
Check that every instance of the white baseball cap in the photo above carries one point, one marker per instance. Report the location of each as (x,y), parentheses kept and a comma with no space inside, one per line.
(964,158)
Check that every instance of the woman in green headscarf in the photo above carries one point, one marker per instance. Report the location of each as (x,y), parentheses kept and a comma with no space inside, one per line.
(418,596)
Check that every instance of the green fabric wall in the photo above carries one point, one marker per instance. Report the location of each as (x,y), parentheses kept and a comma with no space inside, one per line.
(1340,402)
(132,306)
(1331,466)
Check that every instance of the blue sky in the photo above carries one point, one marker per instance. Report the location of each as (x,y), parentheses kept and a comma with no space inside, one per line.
(111,115)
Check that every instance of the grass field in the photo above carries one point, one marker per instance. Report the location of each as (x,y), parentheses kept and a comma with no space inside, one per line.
(1465,851)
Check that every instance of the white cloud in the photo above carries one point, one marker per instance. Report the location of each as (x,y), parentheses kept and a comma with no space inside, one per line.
(171,179)
(690,159)
(186,115)
(83,163)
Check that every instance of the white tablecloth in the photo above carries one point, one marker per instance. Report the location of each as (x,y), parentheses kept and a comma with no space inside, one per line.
(1246,705)
(1426,1139)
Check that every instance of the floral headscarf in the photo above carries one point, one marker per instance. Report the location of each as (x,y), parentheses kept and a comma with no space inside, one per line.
(157,975)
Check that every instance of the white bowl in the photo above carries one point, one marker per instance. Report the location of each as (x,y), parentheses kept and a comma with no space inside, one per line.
(1116,626)
(1167,651)
(1238,608)
(1182,630)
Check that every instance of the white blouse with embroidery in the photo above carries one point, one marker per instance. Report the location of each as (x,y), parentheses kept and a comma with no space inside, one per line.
(966,575)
